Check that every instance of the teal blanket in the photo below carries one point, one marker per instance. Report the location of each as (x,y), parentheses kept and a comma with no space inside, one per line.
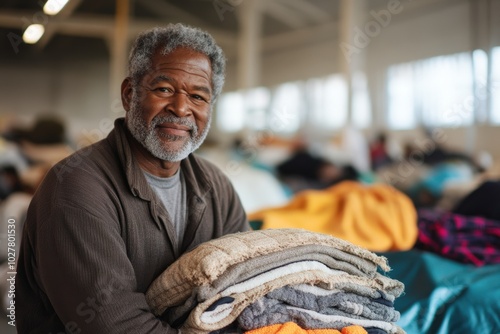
(444,296)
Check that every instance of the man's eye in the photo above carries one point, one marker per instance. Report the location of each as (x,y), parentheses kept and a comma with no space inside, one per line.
(199,98)
(163,90)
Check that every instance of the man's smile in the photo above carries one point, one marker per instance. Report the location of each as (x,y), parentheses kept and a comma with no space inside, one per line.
(174,129)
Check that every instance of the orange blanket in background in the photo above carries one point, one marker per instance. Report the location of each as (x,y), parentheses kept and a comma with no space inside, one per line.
(377,217)
(293,328)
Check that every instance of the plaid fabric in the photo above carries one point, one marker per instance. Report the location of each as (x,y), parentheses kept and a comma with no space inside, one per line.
(474,240)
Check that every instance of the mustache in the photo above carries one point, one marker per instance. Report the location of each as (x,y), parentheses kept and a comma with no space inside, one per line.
(159,119)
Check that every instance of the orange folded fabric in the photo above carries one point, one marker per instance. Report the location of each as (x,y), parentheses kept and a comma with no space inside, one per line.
(377,217)
(293,328)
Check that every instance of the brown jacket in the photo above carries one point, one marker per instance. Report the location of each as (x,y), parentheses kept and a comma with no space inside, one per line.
(96,236)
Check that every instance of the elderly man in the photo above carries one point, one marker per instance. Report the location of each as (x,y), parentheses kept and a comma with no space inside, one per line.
(109,219)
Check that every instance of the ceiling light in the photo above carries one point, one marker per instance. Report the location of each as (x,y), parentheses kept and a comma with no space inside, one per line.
(33,33)
(52,7)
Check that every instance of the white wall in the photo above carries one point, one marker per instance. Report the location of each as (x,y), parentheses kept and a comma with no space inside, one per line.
(410,37)
(75,89)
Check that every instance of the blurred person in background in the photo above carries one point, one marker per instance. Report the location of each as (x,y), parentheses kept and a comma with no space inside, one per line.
(379,155)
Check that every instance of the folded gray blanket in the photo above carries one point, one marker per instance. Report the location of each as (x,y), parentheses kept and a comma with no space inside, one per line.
(335,302)
(268,311)
(331,257)
(376,295)
(210,260)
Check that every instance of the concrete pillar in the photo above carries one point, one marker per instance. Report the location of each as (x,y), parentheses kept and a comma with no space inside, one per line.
(480,40)
(249,46)
(352,15)
(119,50)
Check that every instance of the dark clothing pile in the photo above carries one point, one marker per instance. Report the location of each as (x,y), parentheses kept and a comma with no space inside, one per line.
(468,239)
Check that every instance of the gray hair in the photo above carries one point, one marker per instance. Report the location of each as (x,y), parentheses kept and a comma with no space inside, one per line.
(166,39)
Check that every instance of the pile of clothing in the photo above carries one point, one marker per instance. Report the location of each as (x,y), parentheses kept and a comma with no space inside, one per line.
(261,281)
(467,239)
(377,217)
(469,232)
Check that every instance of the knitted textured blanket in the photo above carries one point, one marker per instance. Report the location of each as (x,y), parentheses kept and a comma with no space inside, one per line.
(268,312)
(376,295)
(293,328)
(205,318)
(210,260)
(337,302)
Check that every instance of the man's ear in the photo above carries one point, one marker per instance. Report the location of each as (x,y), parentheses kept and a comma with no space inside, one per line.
(126,93)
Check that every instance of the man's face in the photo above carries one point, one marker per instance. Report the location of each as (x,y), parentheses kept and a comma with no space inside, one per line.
(170,110)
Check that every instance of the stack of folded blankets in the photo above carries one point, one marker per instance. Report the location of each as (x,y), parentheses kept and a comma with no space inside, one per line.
(271,280)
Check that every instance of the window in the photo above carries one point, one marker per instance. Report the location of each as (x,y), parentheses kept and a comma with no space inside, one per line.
(287,108)
(480,70)
(317,104)
(257,102)
(230,112)
(328,102)
(401,109)
(361,105)
(433,92)
(447,91)
(494,90)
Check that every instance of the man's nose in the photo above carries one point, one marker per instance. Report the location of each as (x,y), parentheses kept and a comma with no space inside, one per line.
(179,104)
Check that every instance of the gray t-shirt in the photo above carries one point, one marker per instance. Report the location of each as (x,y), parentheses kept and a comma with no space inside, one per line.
(172,193)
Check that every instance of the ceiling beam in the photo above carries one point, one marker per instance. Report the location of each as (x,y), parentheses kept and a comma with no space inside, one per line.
(222,37)
(162,8)
(330,30)
(325,31)
(77,25)
(98,26)
(313,12)
(421,8)
(289,17)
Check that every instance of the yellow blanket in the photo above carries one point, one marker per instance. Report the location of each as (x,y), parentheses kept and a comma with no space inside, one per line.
(377,217)
(292,328)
